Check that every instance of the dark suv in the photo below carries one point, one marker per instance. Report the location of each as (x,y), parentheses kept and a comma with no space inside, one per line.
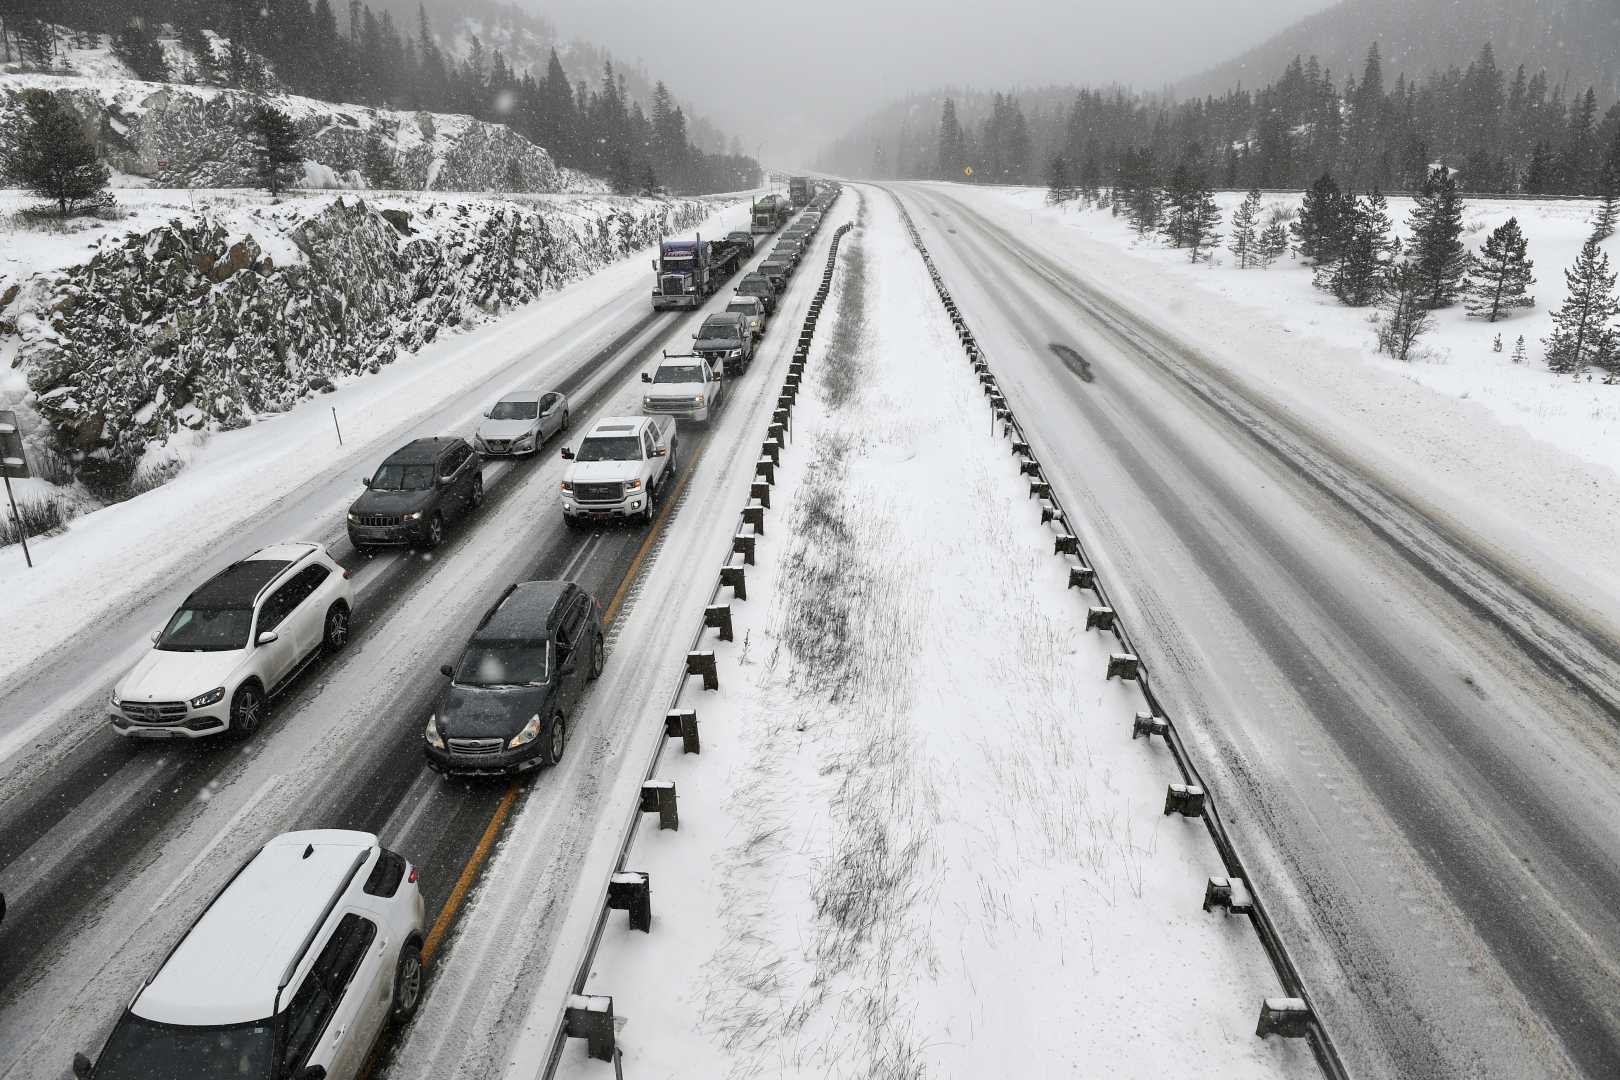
(507,706)
(415,491)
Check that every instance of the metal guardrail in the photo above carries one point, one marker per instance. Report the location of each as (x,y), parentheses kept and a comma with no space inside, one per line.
(1083,574)
(628,831)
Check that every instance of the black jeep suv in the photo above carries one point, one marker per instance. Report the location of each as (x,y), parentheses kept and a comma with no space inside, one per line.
(415,491)
(507,706)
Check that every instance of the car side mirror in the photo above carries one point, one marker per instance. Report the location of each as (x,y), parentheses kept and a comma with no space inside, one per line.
(567,454)
(155,635)
(487,412)
(269,637)
(312,1072)
(646,376)
(365,481)
(82,1067)
(446,670)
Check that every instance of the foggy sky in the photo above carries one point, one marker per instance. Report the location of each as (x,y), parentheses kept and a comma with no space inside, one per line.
(799,73)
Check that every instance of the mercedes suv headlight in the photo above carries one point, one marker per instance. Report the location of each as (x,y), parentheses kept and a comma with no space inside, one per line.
(434,739)
(354,518)
(213,697)
(530,732)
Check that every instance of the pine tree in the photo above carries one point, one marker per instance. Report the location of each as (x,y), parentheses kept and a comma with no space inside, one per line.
(1437,249)
(1273,244)
(1581,333)
(137,46)
(378,164)
(1496,344)
(1520,353)
(36,42)
(1323,222)
(1060,182)
(1608,190)
(1406,314)
(1199,220)
(1358,276)
(1499,275)
(952,159)
(277,145)
(52,158)
(1245,243)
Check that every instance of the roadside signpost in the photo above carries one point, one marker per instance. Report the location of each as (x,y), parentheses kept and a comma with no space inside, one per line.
(13,462)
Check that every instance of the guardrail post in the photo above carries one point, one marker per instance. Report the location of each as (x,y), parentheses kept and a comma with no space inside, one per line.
(631,891)
(1146,725)
(718,616)
(1184,799)
(1066,544)
(590,1017)
(743,544)
(658,796)
(702,663)
(1040,488)
(1124,666)
(772,449)
(762,492)
(1048,512)
(1288,1017)
(1100,618)
(734,578)
(765,469)
(1082,577)
(682,724)
(1230,893)
(755,516)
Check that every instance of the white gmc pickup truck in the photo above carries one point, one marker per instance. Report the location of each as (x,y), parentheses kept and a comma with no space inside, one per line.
(621,469)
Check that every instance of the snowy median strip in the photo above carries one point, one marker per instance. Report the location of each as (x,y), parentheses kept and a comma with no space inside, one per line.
(918,840)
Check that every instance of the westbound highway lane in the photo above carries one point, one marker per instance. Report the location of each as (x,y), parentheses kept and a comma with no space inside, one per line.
(107,848)
(1419,755)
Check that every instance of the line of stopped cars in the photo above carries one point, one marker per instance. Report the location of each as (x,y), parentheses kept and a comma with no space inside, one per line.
(302,961)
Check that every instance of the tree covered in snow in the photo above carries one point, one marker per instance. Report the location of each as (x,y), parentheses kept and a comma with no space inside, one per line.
(1407,316)
(1437,249)
(278,146)
(1324,221)
(1608,191)
(137,46)
(1273,244)
(1582,333)
(52,157)
(1500,274)
(1245,241)
(1060,181)
(953,156)
(1359,274)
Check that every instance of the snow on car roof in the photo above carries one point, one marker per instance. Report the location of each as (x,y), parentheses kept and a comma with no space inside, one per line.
(231,964)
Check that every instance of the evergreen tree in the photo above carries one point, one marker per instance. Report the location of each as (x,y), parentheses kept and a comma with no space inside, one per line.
(1323,222)
(1499,275)
(1608,191)
(36,42)
(277,146)
(1060,187)
(1520,353)
(952,158)
(1272,244)
(1406,312)
(1437,249)
(1580,147)
(1358,276)
(137,46)
(1581,333)
(1541,175)
(1496,344)
(52,158)
(1245,241)
(1194,219)
(378,164)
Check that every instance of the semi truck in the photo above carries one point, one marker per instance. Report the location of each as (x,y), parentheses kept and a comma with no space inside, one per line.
(769,213)
(688,271)
(801,189)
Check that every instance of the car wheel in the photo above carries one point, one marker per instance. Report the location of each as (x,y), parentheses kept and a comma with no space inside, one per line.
(598,658)
(556,740)
(247,710)
(651,511)
(478,492)
(407,982)
(435,531)
(337,629)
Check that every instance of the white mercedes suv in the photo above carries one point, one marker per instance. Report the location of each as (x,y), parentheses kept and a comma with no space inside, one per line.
(291,972)
(236,641)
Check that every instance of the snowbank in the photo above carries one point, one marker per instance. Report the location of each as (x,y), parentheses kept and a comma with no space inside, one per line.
(919,839)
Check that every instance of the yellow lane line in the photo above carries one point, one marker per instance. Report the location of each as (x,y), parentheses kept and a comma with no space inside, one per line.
(451,906)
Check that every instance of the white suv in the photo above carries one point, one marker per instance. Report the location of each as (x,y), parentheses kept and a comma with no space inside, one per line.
(292,972)
(235,642)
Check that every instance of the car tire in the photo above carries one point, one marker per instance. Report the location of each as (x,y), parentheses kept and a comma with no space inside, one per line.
(435,531)
(556,741)
(336,634)
(650,513)
(247,710)
(598,658)
(477,498)
(407,983)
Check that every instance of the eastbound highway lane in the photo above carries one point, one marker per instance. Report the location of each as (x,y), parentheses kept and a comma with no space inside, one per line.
(1419,756)
(107,849)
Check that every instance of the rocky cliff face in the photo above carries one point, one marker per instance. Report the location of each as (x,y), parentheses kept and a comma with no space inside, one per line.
(197,136)
(193,325)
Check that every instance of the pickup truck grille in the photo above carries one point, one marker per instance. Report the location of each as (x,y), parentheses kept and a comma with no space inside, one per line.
(377,521)
(155,712)
(654,404)
(600,493)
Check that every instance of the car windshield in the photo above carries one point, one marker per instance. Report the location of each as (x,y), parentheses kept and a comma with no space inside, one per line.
(727,330)
(141,1049)
(515,410)
(742,309)
(610,448)
(755,286)
(505,663)
(206,630)
(403,478)
(679,373)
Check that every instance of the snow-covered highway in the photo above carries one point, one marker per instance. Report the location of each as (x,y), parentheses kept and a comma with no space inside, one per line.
(1415,735)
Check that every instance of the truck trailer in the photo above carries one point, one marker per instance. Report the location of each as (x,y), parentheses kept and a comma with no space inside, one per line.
(801,189)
